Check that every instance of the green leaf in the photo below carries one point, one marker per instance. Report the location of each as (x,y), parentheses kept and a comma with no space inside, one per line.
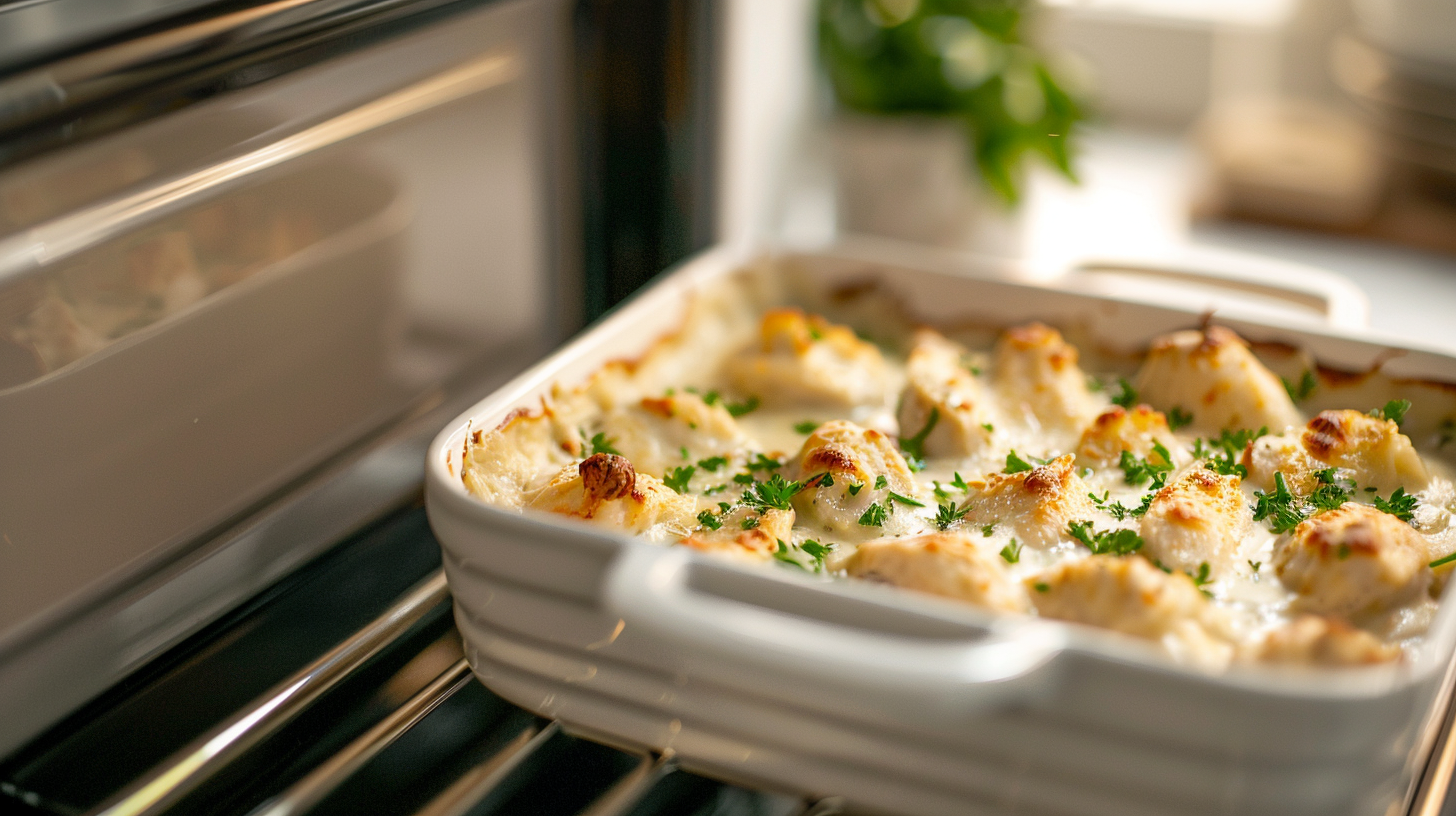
(948,514)
(874,516)
(1300,391)
(914,447)
(1105,542)
(1280,507)
(776,493)
(738,409)
(1125,395)
(600,444)
(905,500)
(1015,464)
(1393,411)
(1401,504)
(807,426)
(1011,552)
(678,478)
(1178,418)
(707,519)
(712,463)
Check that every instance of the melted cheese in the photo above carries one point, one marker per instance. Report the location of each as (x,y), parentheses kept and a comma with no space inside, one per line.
(835,474)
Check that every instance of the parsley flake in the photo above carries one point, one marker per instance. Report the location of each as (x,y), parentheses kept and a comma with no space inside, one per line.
(678,478)
(775,494)
(599,443)
(749,523)
(875,516)
(1126,395)
(1105,542)
(807,426)
(762,462)
(914,447)
(786,555)
(881,482)
(1393,411)
(738,409)
(905,500)
(1040,586)
(712,463)
(710,521)
(855,488)
(1401,504)
(1178,418)
(1443,560)
(1015,464)
(1221,454)
(1300,391)
(1136,471)
(817,552)
(959,484)
(1281,508)
(989,530)
(1011,552)
(948,514)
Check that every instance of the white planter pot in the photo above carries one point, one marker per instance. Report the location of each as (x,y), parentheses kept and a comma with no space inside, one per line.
(911,178)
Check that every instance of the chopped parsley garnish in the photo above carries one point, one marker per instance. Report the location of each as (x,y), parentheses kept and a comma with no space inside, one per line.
(1448,432)
(743,478)
(749,523)
(1201,577)
(941,494)
(710,398)
(775,494)
(784,554)
(1281,508)
(881,482)
(817,552)
(715,489)
(1040,586)
(678,478)
(738,409)
(1300,391)
(807,426)
(875,516)
(600,444)
(1329,494)
(1105,542)
(712,463)
(684,451)
(959,484)
(1255,565)
(855,488)
(914,447)
(1015,464)
(1393,411)
(707,519)
(1125,395)
(989,530)
(1443,560)
(989,428)
(1011,552)
(905,500)
(825,479)
(1156,467)
(1178,418)
(948,514)
(1221,455)
(1401,504)
(762,462)
(1094,385)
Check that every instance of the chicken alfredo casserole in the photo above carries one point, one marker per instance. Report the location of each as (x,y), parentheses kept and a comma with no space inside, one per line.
(1190,496)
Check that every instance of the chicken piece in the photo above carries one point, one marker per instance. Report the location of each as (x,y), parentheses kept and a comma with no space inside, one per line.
(1199,518)
(1038,504)
(605,489)
(1282,453)
(1118,429)
(1214,375)
(1124,593)
(654,431)
(1375,449)
(1321,641)
(1352,561)
(1037,374)
(732,541)
(939,383)
(806,360)
(855,459)
(946,564)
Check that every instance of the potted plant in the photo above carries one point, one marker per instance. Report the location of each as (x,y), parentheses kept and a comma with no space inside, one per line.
(927,90)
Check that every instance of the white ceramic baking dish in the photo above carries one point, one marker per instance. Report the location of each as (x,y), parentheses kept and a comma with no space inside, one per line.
(907,704)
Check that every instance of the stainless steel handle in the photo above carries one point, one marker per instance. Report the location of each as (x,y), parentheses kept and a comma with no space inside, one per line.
(184,771)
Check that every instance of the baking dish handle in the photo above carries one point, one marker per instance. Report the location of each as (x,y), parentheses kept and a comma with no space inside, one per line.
(1296,288)
(941,674)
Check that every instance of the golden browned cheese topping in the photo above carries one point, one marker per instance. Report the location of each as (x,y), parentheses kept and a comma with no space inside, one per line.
(1196,506)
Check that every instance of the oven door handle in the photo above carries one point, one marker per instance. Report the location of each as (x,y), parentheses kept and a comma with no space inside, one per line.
(819,645)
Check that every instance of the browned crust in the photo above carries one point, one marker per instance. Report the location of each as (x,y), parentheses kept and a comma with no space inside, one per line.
(606,476)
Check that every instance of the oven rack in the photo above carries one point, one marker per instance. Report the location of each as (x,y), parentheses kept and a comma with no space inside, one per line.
(389,719)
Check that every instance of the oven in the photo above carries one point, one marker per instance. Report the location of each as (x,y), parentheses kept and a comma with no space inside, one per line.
(253,256)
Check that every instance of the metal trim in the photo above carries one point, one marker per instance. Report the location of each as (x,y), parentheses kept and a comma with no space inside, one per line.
(321,781)
(477,783)
(184,771)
